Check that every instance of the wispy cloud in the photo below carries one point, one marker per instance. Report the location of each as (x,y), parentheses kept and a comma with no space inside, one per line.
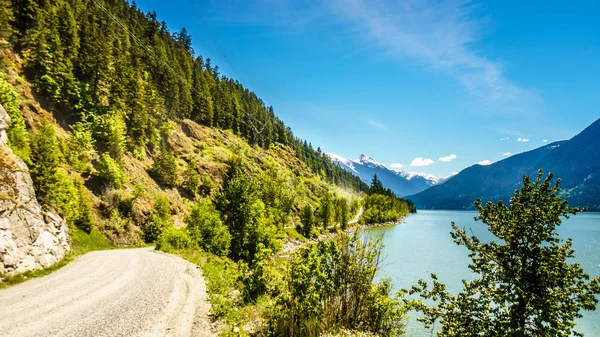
(506,138)
(448,158)
(420,161)
(522,140)
(376,124)
(545,140)
(485,162)
(506,154)
(442,36)
(397,166)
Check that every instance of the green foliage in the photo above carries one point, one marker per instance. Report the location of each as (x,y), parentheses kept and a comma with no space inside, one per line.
(244,214)
(528,284)
(376,186)
(277,193)
(174,238)
(325,210)
(165,167)
(82,242)
(17,133)
(81,149)
(110,170)
(6,16)
(341,212)
(206,229)
(159,220)
(379,208)
(330,286)
(256,281)
(45,156)
(85,218)
(111,131)
(308,222)
(381,205)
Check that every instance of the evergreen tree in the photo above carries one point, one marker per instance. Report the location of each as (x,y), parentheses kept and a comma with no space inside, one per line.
(528,284)
(308,221)
(376,186)
(326,210)
(45,156)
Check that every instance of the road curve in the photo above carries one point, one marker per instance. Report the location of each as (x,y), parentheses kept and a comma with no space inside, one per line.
(128,292)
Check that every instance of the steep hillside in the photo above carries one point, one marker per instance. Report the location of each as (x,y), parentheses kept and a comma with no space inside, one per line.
(574,161)
(402,183)
(124,128)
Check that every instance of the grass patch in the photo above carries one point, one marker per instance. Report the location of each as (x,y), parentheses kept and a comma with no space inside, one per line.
(81,243)
(18,278)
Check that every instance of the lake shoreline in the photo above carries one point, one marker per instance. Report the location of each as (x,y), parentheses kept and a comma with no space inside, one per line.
(292,245)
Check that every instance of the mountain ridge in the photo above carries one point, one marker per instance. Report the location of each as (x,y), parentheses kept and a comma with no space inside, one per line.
(574,161)
(402,183)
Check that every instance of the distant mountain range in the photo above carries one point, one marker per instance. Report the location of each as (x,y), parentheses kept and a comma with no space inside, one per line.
(402,183)
(576,162)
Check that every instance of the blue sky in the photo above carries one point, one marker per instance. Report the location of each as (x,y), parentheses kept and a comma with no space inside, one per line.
(437,84)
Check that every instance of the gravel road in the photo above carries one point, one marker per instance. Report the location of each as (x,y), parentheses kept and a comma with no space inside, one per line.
(129,292)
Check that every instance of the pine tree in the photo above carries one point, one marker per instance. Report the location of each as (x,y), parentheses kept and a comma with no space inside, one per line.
(308,221)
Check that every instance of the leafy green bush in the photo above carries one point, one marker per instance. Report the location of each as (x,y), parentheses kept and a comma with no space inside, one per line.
(110,170)
(174,238)
(159,220)
(330,286)
(205,227)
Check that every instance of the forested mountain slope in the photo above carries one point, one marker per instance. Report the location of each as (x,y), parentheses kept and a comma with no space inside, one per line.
(115,114)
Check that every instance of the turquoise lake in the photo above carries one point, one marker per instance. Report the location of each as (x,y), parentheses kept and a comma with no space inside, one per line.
(422,245)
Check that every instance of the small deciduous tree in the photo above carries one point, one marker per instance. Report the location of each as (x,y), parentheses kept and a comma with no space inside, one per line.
(205,227)
(528,284)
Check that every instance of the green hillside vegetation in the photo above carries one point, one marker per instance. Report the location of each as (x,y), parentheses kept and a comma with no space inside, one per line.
(134,139)
(381,205)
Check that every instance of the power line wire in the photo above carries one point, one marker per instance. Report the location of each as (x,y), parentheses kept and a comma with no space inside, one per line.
(215,41)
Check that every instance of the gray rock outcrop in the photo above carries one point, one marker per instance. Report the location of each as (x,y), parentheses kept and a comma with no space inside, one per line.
(30,237)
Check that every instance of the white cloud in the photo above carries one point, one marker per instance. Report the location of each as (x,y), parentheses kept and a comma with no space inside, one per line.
(448,158)
(504,138)
(453,173)
(397,166)
(420,161)
(545,140)
(376,124)
(484,162)
(522,140)
(506,154)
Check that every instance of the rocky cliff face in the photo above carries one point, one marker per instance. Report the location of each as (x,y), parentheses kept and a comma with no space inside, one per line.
(30,237)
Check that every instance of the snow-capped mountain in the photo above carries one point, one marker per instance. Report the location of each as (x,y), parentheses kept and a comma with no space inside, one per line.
(400,182)
(366,160)
(421,179)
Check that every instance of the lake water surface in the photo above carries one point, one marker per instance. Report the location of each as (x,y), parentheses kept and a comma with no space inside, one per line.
(422,245)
